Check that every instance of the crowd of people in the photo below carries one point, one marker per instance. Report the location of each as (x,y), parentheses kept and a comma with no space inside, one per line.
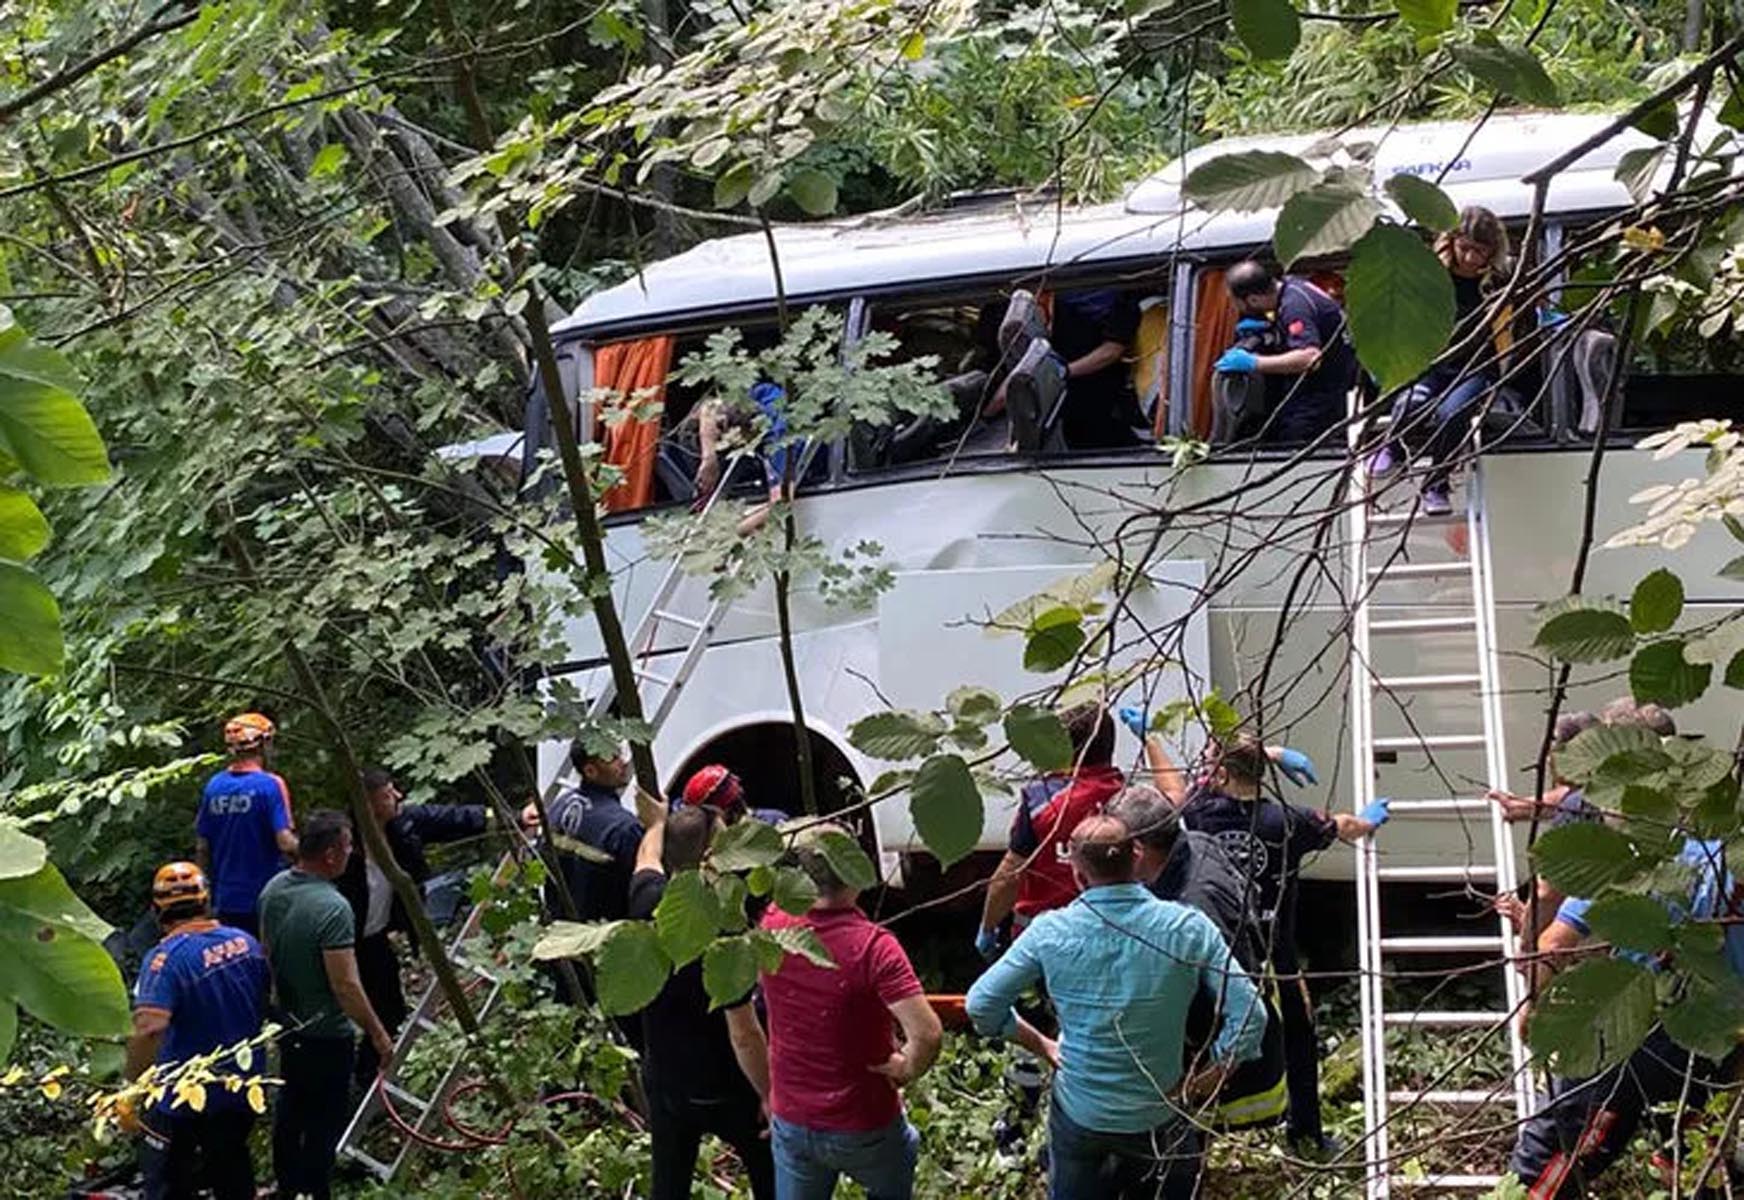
(1140,939)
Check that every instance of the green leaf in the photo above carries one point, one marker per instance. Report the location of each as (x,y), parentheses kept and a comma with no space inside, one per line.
(1734,677)
(1657,602)
(760,881)
(745,844)
(1268,28)
(1581,759)
(328,160)
(30,624)
(763,191)
(946,807)
(630,968)
(1250,180)
(1428,17)
(1576,629)
(1632,922)
(897,734)
(52,960)
(1731,113)
(730,895)
(1511,70)
(813,191)
(1705,1020)
(1658,674)
(801,940)
(794,892)
(1400,302)
(914,46)
(1324,219)
(846,859)
(974,705)
(1593,1015)
(729,971)
(1733,569)
(1582,857)
(1038,737)
(23,531)
(8,1029)
(733,184)
(1423,202)
(572,939)
(20,854)
(1636,169)
(1054,637)
(1221,717)
(687,917)
(42,424)
(1659,123)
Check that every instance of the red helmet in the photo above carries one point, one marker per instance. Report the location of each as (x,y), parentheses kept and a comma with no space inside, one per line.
(178,883)
(716,787)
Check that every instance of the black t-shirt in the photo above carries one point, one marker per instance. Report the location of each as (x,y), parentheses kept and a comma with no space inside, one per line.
(1266,840)
(1308,318)
(1100,408)
(687,1054)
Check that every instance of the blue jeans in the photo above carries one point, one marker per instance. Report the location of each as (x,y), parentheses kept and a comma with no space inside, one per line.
(1162,1164)
(1435,414)
(809,1161)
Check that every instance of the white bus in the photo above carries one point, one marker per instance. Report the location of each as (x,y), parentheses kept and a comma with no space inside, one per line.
(968,533)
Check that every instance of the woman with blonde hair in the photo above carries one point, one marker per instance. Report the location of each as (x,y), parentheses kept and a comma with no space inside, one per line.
(1433,415)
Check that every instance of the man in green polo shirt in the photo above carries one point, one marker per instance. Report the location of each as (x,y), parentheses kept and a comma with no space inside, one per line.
(310,932)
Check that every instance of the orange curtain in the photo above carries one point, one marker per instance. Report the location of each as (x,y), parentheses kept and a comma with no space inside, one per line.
(629,368)
(1213,331)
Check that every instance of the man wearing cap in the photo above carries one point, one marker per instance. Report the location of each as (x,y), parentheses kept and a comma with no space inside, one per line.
(202,988)
(716,787)
(243,832)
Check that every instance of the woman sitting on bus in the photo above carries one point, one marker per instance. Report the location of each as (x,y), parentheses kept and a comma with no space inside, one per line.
(1433,416)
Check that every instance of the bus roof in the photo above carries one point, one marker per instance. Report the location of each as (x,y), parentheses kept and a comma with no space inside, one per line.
(1004,236)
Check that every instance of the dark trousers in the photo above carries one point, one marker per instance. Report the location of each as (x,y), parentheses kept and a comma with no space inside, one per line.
(378,968)
(313,1108)
(1434,417)
(1585,1125)
(187,1151)
(1304,417)
(1162,1164)
(676,1123)
(1301,1058)
(248,922)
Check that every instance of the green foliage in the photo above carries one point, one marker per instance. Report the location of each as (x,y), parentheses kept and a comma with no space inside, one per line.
(1593,1015)
(1659,674)
(30,623)
(1324,219)
(1656,603)
(44,430)
(793,891)
(1510,70)
(1268,28)
(55,967)
(945,804)
(846,859)
(1583,858)
(1428,17)
(1400,304)
(1631,922)
(1247,181)
(1423,202)
(1038,737)
(632,968)
(687,917)
(745,845)
(897,734)
(1053,639)
(1579,630)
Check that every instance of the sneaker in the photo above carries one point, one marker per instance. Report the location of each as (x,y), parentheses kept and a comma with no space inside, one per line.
(1383,462)
(1437,501)
(1032,393)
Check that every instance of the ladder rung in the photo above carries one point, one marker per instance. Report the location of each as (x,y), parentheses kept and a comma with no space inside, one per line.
(1437,808)
(1425,683)
(1446,1020)
(1433,741)
(1452,944)
(1424,625)
(1443,1183)
(375,1165)
(654,677)
(1428,570)
(661,614)
(1452,1099)
(1452,873)
(401,1094)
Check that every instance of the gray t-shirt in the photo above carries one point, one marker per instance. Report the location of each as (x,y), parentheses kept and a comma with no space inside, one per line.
(301,916)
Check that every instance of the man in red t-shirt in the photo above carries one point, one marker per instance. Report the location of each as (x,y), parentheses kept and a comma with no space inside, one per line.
(835,1068)
(1036,873)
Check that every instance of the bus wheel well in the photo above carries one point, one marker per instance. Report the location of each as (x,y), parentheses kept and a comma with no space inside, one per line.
(763,755)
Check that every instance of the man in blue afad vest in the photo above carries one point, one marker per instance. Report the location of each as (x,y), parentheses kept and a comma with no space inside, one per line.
(244,834)
(202,989)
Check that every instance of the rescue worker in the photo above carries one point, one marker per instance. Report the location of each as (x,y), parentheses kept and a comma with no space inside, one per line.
(1036,873)
(1123,969)
(244,832)
(202,988)
(1316,367)
(596,836)
(716,787)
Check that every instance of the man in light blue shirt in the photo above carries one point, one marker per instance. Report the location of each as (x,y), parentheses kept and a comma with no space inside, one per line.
(1122,968)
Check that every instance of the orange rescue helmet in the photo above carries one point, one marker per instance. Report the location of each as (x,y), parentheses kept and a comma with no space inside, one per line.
(179,883)
(716,787)
(247,731)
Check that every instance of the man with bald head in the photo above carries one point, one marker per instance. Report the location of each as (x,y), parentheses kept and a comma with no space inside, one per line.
(1123,969)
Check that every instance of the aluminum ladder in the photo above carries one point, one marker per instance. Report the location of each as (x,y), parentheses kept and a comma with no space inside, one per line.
(423,1113)
(1460,636)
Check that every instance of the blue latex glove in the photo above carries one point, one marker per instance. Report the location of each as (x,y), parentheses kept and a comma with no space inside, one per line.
(987,944)
(1236,361)
(1297,767)
(1550,318)
(1249,325)
(1376,814)
(1134,719)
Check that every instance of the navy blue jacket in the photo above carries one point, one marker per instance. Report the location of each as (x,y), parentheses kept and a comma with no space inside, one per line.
(596,839)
